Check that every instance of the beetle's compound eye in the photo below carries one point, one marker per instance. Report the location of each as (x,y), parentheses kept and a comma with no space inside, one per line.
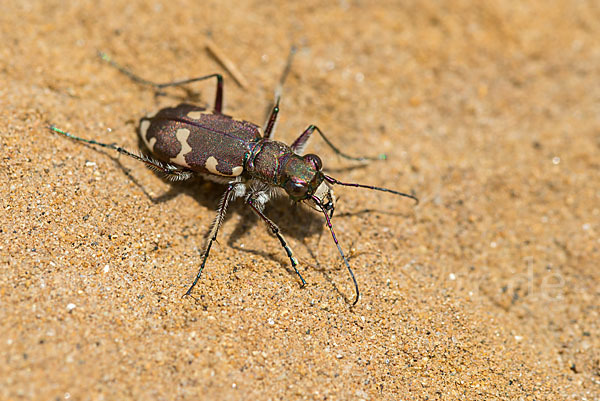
(314,161)
(296,189)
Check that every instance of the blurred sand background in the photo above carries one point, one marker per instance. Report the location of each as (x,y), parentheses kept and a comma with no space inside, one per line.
(488,289)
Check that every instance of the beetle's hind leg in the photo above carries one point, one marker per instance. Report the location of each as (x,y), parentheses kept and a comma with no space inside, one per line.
(257,208)
(136,78)
(171,172)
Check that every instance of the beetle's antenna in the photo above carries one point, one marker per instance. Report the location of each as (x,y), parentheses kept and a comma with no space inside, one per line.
(318,202)
(348,184)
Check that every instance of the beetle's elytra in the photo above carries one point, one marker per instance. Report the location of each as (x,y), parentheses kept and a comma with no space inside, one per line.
(200,140)
(188,140)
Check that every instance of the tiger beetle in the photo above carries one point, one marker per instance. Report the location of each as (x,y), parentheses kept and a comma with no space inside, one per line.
(189,140)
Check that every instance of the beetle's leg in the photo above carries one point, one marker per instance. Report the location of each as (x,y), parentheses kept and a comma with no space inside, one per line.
(300,143)
(218,96)
(173,173)
(170,172)
(328,221)
(214,229)
(257,209)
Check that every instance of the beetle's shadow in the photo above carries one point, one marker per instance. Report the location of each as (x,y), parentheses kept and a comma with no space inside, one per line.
(294,221)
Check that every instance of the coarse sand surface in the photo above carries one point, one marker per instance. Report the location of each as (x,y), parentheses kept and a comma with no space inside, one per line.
(488,289)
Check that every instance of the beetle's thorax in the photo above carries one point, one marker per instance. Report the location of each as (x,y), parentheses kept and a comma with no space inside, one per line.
(267,159)
(276,164)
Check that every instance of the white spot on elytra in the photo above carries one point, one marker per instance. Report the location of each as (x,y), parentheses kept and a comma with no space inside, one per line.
(144,125)
(211,166)
(195,115)
(182,135)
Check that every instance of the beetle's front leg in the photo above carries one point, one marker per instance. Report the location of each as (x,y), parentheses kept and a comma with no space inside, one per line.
(300,143)
(257,208)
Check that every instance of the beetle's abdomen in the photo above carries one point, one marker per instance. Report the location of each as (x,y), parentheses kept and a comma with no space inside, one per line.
(192,137)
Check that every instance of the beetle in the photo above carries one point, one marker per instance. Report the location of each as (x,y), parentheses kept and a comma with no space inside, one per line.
(188,140)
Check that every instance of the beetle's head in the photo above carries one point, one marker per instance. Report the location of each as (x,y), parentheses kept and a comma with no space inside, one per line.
(303,179)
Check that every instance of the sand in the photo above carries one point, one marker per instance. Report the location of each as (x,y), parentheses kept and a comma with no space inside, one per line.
(488,289)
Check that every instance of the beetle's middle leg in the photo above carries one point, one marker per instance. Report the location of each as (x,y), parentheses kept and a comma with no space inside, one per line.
(233,189)
(256,207)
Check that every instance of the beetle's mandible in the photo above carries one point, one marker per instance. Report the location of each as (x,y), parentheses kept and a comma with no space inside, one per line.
(188,140)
